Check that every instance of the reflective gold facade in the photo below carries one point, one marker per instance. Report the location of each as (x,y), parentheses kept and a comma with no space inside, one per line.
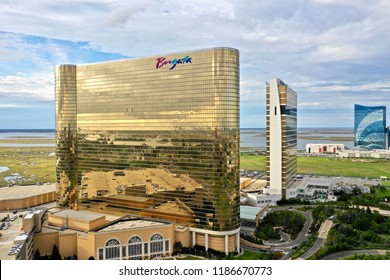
(148,137)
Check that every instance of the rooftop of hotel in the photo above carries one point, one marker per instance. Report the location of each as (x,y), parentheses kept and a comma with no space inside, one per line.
(330,181)
(130,223)
(250,212)
(79,215)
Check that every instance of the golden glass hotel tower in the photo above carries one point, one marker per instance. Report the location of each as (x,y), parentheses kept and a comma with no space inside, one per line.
(156,137)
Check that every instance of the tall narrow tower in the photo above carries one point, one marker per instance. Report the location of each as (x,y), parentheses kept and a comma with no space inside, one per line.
(281,136)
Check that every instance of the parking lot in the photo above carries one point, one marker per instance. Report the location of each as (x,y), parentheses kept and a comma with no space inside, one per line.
(8,235)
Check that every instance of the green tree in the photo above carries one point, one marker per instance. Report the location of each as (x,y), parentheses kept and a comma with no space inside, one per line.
(362,223)
(37,255)
(178,247)
(55,254)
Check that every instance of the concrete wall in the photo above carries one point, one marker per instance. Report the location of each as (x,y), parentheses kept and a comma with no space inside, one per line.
(28,223)
(27,202)
(45,242)
(86,246)
(67,244)
(217,242)
(275,135)
(183,236)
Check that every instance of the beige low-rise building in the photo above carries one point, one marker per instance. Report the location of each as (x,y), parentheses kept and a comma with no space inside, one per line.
(124,238)
(78,220)
(19,197)
(379,154)
(87,235)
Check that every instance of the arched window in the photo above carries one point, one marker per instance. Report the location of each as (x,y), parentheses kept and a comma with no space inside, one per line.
(156,244)
(135,247)
(112,249)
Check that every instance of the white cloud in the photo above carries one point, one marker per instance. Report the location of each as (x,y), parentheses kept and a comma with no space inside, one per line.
(379,86)
(319,47)
(10,106)
(310,104)
(336,53)
(122,15)
(38,87)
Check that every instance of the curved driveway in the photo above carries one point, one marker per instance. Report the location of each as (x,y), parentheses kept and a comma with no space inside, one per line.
(297,242)
(322,235)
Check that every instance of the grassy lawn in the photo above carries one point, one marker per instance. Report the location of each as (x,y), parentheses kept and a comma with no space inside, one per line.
(33,163)
(252,162)
(386,184)
(327,166)
(248,255)
(343,167)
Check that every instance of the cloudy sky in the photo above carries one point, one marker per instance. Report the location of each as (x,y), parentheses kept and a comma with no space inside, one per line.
(333,53)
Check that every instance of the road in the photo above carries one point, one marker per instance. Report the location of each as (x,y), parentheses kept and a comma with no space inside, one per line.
(325,228)
(344,254)
(251,249)
(287,244)
(322,235)
(302,235)
(317,245)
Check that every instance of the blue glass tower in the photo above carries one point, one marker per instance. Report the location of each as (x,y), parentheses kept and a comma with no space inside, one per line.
(370,126)
(388,138)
